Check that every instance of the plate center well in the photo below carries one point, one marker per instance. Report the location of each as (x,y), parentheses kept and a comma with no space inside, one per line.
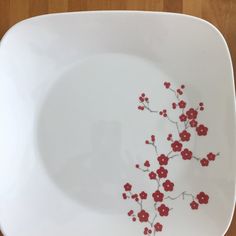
(90,133)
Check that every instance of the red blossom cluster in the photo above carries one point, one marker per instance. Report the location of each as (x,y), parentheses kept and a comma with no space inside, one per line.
(186,126)
(210,157)
(143,100)
(161,210)
(169,137)
(152,140)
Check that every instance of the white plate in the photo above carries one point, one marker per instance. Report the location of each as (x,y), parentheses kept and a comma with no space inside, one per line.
(72,133)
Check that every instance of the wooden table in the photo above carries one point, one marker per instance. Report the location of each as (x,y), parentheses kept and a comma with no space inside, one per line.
(222,13)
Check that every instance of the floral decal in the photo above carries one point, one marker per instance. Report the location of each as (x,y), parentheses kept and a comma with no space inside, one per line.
(187,125)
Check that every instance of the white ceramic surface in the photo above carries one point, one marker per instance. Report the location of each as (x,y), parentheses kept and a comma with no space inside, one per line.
(71,133)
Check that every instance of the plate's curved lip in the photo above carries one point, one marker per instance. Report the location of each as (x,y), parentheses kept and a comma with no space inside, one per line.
(115,12)
(137,12)
(105,12)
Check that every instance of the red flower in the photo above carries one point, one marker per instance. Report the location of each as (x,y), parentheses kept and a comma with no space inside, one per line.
(163,159)
(182,104)
(179,91)
(185,136)
(191,114)
(169,138)
(158,196)
(147,231)
(194,205)
(124,196)
(143,195)
(158,227)
(183,118)
(152,175)
(133,219)
(141,99)
(163,210)
(147,164)
(164,113)
(135,197)
(143,216)
(174,105)
(204,162)
(153,138)
(168,186)
(176,146)
(141,108)
(162,172)
(202,130)
(130,213)
(193,123)
(186,154)
(127,187)
(202,198)
(167,84)
(211,156)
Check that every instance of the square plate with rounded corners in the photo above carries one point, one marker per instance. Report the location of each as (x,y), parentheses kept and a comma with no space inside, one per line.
(116,123)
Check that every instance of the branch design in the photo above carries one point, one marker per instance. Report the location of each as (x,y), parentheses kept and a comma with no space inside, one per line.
(186,125)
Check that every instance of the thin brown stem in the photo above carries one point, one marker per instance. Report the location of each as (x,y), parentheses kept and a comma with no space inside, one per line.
(186,125)
(183,194)
(140,204)
(155,147)
(174,156)
(143,170)
(175,93)
(154,218)
(169,153)
(149,109)
(196,158)
(158,183)
(174,122)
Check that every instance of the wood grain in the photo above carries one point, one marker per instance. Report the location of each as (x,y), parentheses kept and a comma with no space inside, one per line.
(173,6)
(54,7)
(4,16)
(18,10)
(222,13)
(192,7)
(38,7)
